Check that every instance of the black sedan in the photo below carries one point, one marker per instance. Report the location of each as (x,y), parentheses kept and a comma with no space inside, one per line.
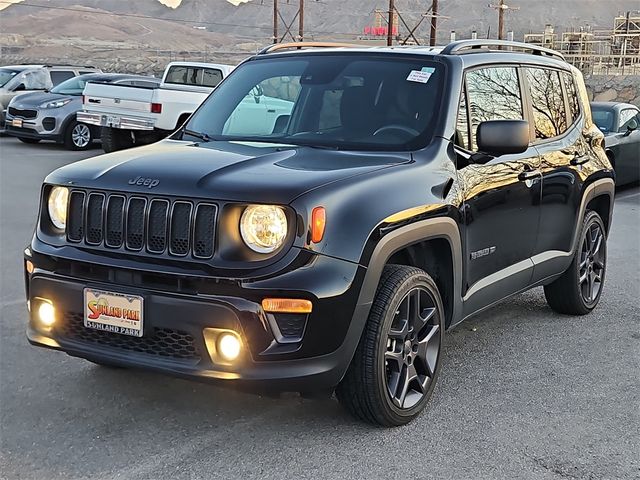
(620,123)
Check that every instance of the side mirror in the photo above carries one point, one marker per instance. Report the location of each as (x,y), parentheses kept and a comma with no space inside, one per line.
(257,92)
(20,88)
(501,137)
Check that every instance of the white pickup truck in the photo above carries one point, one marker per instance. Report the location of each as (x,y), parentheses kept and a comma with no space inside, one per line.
(132,115)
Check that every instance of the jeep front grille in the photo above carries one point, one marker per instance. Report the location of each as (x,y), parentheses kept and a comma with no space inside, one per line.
(157,226)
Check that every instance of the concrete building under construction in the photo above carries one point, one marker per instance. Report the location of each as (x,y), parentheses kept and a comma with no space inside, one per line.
(615,51)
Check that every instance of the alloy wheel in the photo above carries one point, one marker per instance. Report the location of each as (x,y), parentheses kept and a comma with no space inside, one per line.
(81,135)
(413,345)
(592,263)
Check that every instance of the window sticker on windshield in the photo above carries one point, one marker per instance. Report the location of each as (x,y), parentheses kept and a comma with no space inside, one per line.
(418,76)
(428,69)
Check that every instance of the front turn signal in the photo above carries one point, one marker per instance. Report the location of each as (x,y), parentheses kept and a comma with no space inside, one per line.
(286,305)
(318,222)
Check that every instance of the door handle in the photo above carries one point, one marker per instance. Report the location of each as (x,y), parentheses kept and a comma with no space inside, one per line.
(529,175)
(579,160)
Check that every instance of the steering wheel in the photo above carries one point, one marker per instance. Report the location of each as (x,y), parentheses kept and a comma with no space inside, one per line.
(411,131)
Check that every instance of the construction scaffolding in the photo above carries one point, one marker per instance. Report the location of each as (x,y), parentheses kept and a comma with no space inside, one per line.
(605,52)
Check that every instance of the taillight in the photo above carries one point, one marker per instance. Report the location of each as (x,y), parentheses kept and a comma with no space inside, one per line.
(156,108)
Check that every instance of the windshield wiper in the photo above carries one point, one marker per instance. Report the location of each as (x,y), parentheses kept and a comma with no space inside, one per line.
(201,135)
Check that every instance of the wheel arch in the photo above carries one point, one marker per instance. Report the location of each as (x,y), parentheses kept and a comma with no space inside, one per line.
(182,119)
(433,245)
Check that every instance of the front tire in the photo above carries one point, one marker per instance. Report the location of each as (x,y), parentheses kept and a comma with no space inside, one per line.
(578,290)
(78,136)
(396,364)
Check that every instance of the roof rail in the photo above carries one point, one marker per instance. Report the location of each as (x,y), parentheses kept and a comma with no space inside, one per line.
(468,46)
(297,45)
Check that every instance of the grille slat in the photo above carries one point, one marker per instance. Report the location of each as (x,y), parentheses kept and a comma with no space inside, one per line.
(94,219)
(75,222)
(203,232)
(135,223)
(157,226)
(180,231)
(115,221)
(157,238)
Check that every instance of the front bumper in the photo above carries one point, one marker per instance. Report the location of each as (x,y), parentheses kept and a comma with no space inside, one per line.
(174,339)
(43,127)
(124,122)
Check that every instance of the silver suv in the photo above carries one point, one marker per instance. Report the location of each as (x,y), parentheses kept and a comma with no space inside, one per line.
(19,79)
(51,115)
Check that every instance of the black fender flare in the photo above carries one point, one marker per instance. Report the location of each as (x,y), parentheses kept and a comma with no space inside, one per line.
(402,237)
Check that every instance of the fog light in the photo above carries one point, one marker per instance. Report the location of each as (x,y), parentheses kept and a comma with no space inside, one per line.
(229,346)
(46,314)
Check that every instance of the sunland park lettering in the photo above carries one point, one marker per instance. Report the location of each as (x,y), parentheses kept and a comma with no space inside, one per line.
(98,308)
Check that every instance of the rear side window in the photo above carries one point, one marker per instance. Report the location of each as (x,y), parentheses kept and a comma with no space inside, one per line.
(549,112)
(185,75)
(59,76)
(493,94)
(572,96)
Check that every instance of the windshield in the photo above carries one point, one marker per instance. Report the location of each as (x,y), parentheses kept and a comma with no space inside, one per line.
(73,86)
(337,101)
(7,74)
(603,119)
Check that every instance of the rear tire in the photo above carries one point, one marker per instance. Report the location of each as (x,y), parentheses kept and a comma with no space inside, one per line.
(114,139)
(29,140)
(78,136)
(396,364)
(578,290)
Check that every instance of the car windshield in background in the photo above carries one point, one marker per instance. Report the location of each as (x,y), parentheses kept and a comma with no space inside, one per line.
(603,119)
(324,100)
(73,86)
(7,74)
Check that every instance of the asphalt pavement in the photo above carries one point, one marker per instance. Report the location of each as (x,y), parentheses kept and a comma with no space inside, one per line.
(523,392)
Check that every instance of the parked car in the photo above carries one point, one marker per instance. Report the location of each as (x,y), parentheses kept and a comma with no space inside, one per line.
(51,115)
(408,190)
(620,123)
(20,79)
(136,116)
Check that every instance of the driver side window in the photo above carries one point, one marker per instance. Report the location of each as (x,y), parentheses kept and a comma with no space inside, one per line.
(493,94)
(628,118)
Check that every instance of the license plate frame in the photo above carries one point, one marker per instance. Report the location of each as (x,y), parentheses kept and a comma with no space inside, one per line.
(16,122)
(112,121)
(113,312)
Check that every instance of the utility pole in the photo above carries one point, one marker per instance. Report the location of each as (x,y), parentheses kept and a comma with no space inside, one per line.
(434,22)
(301,21)
(392,11)
(275,21)
(502,8)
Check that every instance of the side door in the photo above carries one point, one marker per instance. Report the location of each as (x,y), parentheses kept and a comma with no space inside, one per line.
(566,160)
(627,160)
(501,196)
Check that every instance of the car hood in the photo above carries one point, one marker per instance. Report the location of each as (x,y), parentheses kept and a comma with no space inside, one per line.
(35,99)
(231,171)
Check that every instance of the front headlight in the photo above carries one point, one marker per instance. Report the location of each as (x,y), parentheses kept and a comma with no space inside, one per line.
(55,103)
(263,227)
(58,200)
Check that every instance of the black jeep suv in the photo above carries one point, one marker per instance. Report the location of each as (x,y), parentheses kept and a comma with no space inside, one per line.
(325,216)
